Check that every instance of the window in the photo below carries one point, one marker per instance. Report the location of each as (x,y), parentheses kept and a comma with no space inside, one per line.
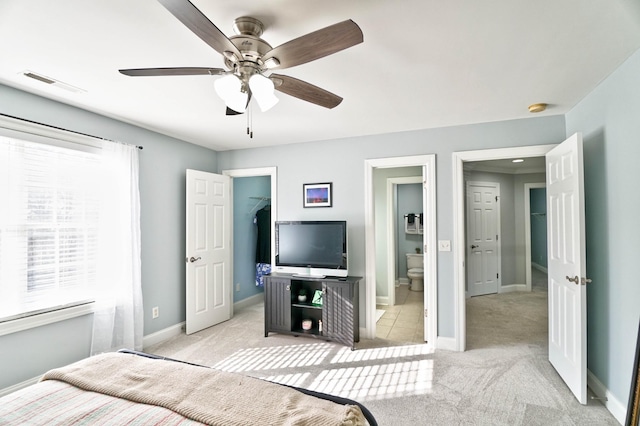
(49,221)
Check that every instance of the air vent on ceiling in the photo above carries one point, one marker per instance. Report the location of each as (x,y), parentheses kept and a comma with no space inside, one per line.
(52,82)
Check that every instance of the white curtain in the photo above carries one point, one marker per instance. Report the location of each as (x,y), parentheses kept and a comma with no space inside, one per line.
(118,317)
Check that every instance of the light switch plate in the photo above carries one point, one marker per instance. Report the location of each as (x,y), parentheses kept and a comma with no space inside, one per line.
(444,245)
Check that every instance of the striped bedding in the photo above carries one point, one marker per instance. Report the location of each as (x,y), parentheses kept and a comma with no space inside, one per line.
(57,403)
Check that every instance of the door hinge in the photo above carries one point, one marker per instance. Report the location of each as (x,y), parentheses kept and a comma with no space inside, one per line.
(425,313)
(497,276)
(496,198)
(497,237)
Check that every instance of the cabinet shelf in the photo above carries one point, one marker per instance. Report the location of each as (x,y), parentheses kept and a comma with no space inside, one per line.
(306,306)
(314,331)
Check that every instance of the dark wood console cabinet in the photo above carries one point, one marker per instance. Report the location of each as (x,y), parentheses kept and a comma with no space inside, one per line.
(336,319)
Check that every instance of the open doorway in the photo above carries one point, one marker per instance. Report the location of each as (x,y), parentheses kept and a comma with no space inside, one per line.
(536,233)
(373,239)
(399,250)
(482,166)
(252,191)
(501,308)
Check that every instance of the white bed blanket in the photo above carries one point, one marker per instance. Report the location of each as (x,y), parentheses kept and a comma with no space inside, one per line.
(203,394)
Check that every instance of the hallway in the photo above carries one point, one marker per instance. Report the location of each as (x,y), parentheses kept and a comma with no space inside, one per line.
(509,318)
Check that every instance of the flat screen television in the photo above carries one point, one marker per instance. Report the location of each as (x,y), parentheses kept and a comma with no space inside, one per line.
(312,248)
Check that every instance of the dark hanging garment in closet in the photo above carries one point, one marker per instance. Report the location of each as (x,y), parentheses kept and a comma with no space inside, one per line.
(263,247)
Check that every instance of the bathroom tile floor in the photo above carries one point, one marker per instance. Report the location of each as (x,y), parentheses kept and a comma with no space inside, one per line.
(404,321)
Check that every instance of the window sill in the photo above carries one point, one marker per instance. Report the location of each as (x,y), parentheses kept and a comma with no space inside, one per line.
(26,323)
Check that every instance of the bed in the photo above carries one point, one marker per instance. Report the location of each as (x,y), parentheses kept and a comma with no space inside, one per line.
(130,387)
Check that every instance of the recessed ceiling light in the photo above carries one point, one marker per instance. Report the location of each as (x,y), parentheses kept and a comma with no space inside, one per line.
(537,107)
(518,160)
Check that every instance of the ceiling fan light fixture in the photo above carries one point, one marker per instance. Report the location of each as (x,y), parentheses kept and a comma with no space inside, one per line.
(262,89)
(229,88)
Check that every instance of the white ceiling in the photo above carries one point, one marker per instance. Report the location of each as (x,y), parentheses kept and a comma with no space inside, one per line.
(527,165)
(423,63)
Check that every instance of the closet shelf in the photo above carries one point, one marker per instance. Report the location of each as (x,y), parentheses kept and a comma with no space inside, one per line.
(260,200)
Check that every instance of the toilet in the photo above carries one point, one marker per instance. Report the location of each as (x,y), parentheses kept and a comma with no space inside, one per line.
(415,271)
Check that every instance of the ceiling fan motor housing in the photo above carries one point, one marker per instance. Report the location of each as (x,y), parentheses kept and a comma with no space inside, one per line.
(252,49)
(247,39)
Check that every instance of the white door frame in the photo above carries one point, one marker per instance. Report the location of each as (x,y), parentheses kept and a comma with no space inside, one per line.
(428,162)
(255,172)
(392,226)
(527,229)
(459,273)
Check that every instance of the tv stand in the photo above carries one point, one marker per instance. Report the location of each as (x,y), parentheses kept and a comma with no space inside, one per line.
(308,276)
(335,319)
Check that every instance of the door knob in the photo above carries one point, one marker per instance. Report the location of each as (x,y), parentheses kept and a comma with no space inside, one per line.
(474,246)
(193,259)
(574,279)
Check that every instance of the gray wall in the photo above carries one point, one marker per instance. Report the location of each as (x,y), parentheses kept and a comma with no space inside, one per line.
(342,162)
(162,195)
(608,120)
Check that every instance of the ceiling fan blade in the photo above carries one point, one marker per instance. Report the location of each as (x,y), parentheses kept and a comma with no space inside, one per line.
(315,45)
(153,72)
(201,26)
(305,91)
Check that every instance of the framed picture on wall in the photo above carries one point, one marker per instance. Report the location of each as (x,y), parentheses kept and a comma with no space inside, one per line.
(317,194)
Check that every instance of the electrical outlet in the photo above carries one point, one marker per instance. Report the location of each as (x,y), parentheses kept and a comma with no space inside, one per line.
(155,312)
(237,286)
(444,245)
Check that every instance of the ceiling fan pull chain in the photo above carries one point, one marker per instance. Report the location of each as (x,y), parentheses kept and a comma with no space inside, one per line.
(250,121)
(248,124)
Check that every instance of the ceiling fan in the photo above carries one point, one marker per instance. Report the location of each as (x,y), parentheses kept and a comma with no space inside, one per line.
(247,57)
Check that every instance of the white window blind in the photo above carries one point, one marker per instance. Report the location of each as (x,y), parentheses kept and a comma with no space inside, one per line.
(49,217)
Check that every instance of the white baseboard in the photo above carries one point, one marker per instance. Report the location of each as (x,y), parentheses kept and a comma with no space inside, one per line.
(512,287)
(162,335)
(403,281)
(446,343)
(539,267)
(382,300)
(18,386)
(175,330)
(615,407)
(249,301)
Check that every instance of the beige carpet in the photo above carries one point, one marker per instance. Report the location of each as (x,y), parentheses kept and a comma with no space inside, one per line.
(503,379)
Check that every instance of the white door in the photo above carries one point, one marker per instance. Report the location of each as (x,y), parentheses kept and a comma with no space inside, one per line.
(483,233)
(208,254)
(566,265)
